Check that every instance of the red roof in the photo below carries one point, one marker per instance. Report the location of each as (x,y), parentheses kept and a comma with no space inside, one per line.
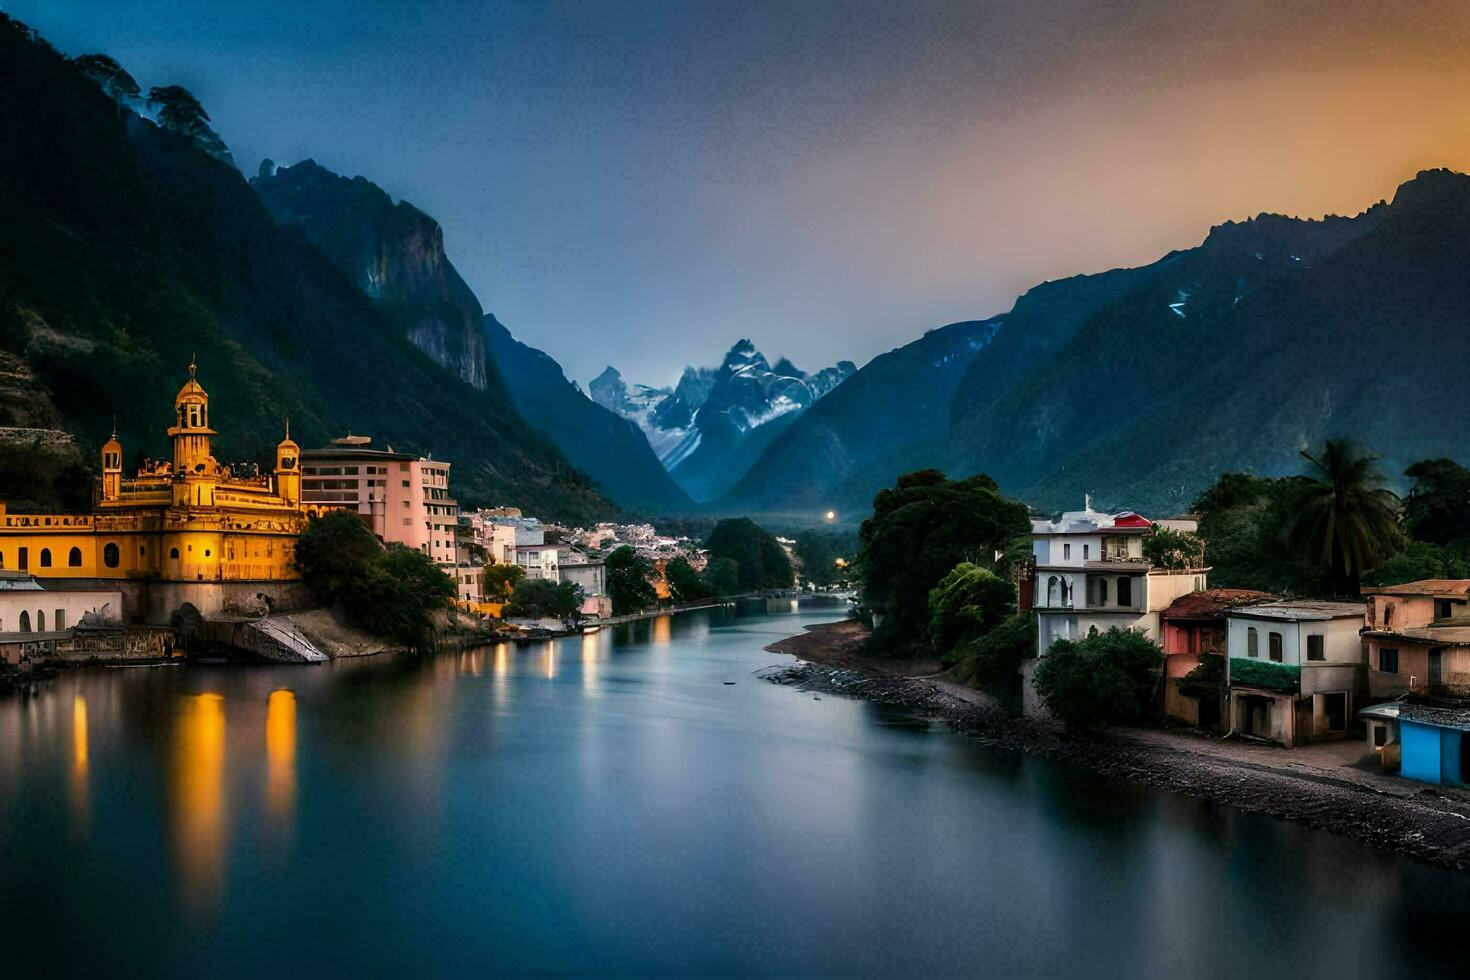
(1130,519)
(1213,603)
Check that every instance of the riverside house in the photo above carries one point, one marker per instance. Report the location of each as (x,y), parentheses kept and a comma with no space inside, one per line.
(1294,669)
(1418,638)
(1194,632)
(1091,573)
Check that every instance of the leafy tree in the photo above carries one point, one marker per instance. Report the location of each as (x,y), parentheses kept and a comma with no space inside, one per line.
(825,556)
(337,555)
(498,581)
(1244,521)
(1437,508)
(1104,679)
(1175,550)
(685,584)
(992,660)
(110,76)
(1345,518)
(761,561)
(970,600)
(1417,561)
(627,581)
(920,530)
(181,114)
(391,592)
(541,598)
(722,576)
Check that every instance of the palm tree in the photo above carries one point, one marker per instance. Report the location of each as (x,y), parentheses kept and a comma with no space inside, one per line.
(1345,518)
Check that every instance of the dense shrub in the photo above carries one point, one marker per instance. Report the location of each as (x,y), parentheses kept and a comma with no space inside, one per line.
(1104,679)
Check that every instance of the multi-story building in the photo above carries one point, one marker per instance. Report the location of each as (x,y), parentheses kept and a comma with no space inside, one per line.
(1193,628)
(1294,669)
(404,498)
(189,519)
(1418,638)
(1090,572)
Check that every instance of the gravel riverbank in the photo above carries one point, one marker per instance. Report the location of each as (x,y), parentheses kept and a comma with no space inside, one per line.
(1431,823)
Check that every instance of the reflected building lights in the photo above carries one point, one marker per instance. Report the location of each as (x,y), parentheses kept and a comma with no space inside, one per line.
(80,763)
(198,802)
(280,757)
(549,658)
(662,630)
(589,661)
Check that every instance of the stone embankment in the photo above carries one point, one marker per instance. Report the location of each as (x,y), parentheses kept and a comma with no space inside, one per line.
(1431,823)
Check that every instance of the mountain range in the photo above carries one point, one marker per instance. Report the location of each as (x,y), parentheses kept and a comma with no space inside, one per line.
(395,254)
(710,428)
(1141,385)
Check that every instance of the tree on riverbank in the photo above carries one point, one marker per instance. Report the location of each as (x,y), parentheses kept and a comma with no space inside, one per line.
(1101,680)
(497,582)
(541,598)
(392,592)
(966,603)
(1344,515)
(760,560)
(627,581)
(920,530)
(685,584)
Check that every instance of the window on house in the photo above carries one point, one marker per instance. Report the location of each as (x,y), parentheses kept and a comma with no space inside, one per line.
(110,555)
(1066,551)
(1102,592)
(40,621)
(1084,551)
(1275,642)
(74,558)
(1388,660)
(45,557)
(1125,592)
(1252,642)
(173,552)
(25,621)
(1388,614)
(1314,647)
(60,621)
(1051,591)
(1443,609)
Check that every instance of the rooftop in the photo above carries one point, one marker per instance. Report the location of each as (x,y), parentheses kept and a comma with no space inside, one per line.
(1450,635)
(1428,586)
(1307,609)
(1088,520)
(1212,603)
(1430,715)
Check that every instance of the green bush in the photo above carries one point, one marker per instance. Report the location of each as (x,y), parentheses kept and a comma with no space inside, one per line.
(1106,679)
(541,598)
(992,660)
(970,600)
(685,584)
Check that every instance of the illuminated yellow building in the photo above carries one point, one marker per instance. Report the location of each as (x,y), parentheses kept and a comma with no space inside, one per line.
(189,519)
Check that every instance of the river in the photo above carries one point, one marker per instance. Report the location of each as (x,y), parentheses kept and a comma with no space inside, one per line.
(614,803)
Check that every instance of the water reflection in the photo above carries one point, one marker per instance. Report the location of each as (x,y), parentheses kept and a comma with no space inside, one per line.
(548,659)
(80,763)
(280,759)
(662,627)
(589,662)
(197,809)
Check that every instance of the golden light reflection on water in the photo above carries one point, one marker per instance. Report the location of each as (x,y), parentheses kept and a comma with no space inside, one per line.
(472,662)
(501,669)
(662,630)
(197,807)
(80,763)
(548,659)
(280,758)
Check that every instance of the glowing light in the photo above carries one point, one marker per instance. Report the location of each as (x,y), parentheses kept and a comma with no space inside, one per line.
(280,754)
(830,516)
(550,658)
(589,661)
(198,801)
(662,630)
(80,762)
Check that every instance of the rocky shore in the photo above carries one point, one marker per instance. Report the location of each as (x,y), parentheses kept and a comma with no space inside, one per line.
(1427,822)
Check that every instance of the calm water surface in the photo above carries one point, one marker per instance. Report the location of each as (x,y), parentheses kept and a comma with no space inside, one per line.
(610,804)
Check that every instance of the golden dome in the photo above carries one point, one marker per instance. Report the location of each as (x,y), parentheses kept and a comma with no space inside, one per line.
(192,392)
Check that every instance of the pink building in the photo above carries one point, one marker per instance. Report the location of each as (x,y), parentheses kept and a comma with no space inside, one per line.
(1418,638)
(404,498)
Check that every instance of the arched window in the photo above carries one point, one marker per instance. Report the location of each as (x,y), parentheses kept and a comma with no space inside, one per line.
(45,557)
(1125,592)
(1252,642)
(40,621)
(173,552)
(25,621)
(74,558)
(1051,591)
(110,555)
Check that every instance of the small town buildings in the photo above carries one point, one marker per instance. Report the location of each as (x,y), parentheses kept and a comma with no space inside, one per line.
(31,612)
(1425,742)
(1193,629)
(590,575)
(539,560)
(404,498)
(1294,669)
(1418,638)
(1091,573)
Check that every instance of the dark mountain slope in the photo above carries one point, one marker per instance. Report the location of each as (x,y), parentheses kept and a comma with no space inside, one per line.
(124,248)
(607,447)
(392,251)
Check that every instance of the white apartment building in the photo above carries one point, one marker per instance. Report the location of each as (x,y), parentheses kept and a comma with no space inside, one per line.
(1091,573)
(404,498)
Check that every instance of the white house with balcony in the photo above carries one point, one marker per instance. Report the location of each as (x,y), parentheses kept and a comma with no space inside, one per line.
(1091,573)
